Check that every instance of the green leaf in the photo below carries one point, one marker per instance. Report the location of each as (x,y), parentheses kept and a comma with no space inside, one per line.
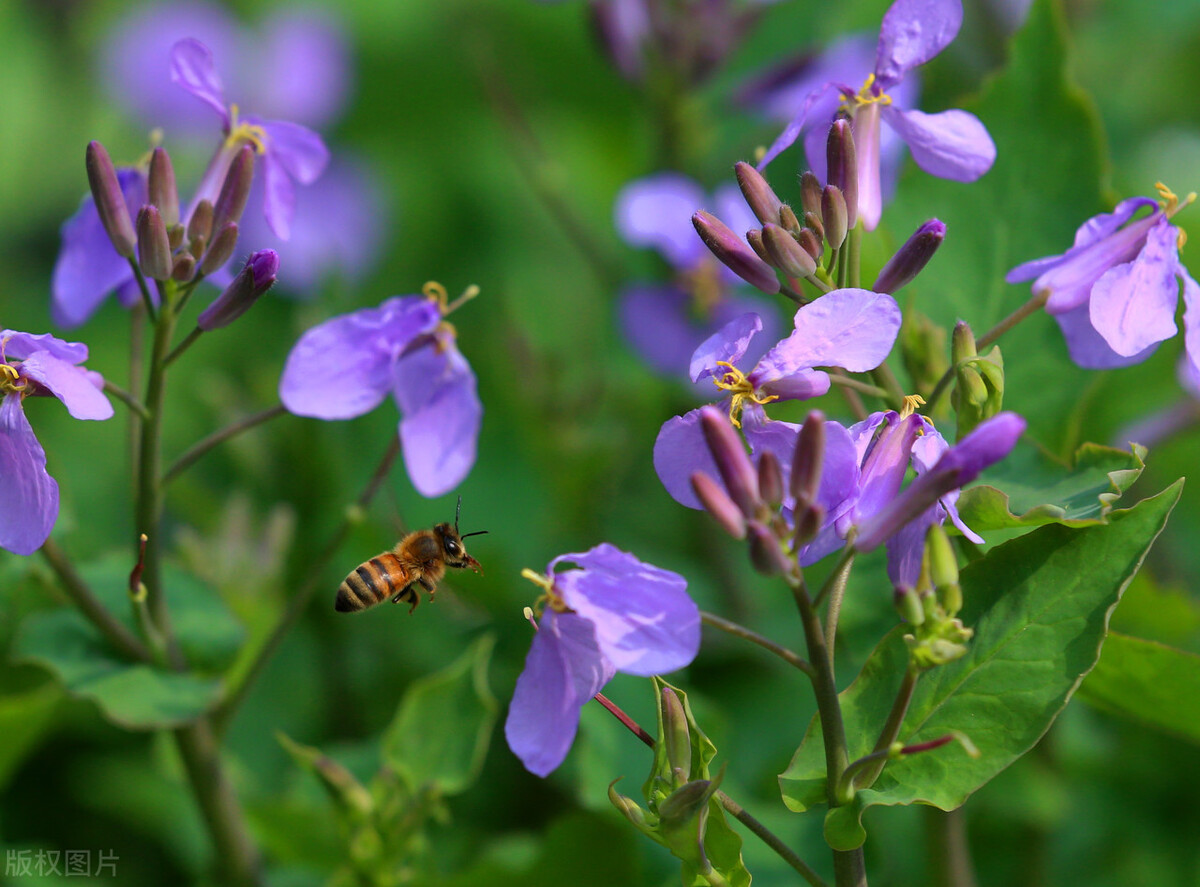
(137,696)
(1040,605)
(1148,682)
(1037,491)
(441,730)
(24,717)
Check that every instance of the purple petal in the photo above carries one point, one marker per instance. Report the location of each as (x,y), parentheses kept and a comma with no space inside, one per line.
(302,69)
(343,367)
(1087,347)
(69,383)
(951,145)
(564,669)
(656,211)
(645,622)
(19,346)
(837,493)
(88,268)
(297,149)
(1191,331)
(435,390)
(913,32)
(885,463)
(906,549)
(804,384)
(279,197)
(28,496)
(192,67)
(850,328)
(1133,304)
(679,451)
(794,127)
(727,344)
(781,91)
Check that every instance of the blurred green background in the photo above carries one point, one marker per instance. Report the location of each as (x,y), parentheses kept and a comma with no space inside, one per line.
(485,121)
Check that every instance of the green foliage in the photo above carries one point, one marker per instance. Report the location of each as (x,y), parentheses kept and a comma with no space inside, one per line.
(1028,490)
(1040,605)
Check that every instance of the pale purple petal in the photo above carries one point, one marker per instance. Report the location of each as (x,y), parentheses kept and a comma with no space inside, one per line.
(656,211)
(794,127)
(913,32)
(279,197)
(885,463)
(679,451)
(645,622)
(837,493)
(18,346)
(951,145)
(435,390)
(1191,331)
(297,149)
(564,669)
(343,367)
(1092,231)
(850,328)
(1133,304)
(784,89)
(906,549)
(868,151)
(28,495)
(69,383)
(803,384)
(302,67)
(88,268)
(727,344)
(1087,347)
(192,67)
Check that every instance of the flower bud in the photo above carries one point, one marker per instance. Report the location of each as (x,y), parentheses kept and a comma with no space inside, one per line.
(235,190)
(810,243)
(221,248)
(255,278)
(733,252)
(786,253)
(810,193)
(110,200)
(911,258)
(184,268)
(808,460)
(840,156)
(199,226)
(962,343)
(908,605)
(676,736)
(763,201)
(770,479)
(809,519)
(628,808)
(979,390)
(788,221)
(741,480)
(943,564)
(754,238)
(154,249)
(175,236)
(163,192)
(834,215)
(718,504)
(685,803)
(813,221)
(766,554)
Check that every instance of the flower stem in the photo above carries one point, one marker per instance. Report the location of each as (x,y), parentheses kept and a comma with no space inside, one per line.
(854,237)
(949,852)
(144,289)
(835,585)
(741,631)
(184,345)
(858,385)
(126,398)
(218,437)
(891,730)
(79,592)
(239,686)
(849,392)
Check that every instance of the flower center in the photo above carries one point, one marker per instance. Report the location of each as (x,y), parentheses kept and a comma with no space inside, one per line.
(740,390)
(1171,204)
(245,133)
(10,380)
(911,403)
(549,597)
(868,94)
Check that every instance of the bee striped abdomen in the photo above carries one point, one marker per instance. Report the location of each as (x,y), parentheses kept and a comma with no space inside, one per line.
(373,581)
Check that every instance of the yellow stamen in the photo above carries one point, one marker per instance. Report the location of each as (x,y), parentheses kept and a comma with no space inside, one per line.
(866,95)
(435,291)
(245,132)
(1171,204)
(735,382)
(9,379)
(911,403)
(549,597)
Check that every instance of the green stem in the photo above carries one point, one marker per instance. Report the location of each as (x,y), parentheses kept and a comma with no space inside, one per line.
(81,594)
(849,868)
(835,586)
(949,852)
(740,631)
(849,392)
(218,437)
(184,345)
(855,258)
(886,379)
(891,730)
(237,858)
(239,688)
(126,398)
(858,385)
(143,288)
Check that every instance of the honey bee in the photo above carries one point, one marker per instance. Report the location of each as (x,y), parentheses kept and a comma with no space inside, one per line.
(419,558)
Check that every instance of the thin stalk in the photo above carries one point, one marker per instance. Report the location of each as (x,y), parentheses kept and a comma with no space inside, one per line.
(949,851)
(891,730)
(849,392)
(858,385)
(630,724)
(184,345)
(886,379)
(218,437)
(237,858)
(848,865)
(855,258)
(81,595)
(835,586)
(791,293)
(144,289)
(126,398)
(137,343)
(240,688)
(740,631)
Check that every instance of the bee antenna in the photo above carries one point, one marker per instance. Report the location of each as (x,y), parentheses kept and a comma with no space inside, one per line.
(476,533)
(457,511)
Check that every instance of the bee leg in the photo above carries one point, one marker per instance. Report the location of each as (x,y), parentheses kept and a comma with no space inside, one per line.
(428,586)
(409,595)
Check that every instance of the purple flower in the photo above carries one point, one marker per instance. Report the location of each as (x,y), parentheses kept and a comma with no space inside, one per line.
(614,613)
(1114,293)
(346,366)
(665,323)
(951,145)
(849,328)
(38,365)
(286,151)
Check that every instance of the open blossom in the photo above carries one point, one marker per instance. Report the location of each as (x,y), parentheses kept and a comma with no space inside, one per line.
(665,323)
(612,613)
(952,144)
(346,366)
(37,365)
(849,328)
(1114,293)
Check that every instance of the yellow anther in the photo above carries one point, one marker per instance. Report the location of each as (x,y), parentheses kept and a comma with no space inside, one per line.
(538,579)
(911,404)
(245,132)
(435,291)
(1171,203)
(866,95)
(740,390)
(9,379)
(550,597)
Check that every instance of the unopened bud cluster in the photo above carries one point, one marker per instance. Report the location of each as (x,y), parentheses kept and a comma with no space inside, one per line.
(749,501)
(931,608)
(979,390)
